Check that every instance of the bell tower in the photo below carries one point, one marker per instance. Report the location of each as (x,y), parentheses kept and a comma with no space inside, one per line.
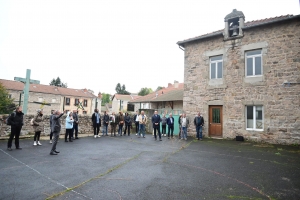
(234,22)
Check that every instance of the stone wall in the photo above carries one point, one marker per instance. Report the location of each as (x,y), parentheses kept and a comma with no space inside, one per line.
(281,62)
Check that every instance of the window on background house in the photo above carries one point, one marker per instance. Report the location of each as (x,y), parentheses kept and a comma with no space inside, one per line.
(254,63)
(67,101)
(84,112)
(53,100)
(9,96)
(85,103)
(254,117)
(216,67)
(76,102)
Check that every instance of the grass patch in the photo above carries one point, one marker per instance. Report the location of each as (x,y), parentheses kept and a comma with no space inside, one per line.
(277,153)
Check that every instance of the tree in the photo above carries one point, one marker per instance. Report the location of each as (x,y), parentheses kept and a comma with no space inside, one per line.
(145,91)
(121,90)
(57,82)
(6,103)
(159,88)
(105,99)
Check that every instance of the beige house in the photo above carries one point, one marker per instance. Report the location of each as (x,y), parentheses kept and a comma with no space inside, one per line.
(120,103)
(245,79)
(53,98)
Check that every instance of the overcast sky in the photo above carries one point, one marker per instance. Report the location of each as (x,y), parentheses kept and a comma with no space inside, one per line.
(95,44)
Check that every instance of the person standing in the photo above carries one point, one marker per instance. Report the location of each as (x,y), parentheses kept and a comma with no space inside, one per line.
(120,121)
(184,125)
(113,124)
(16,122)
(69,127)
(170,123)
(75,124)
(199,123)
(136,122)
(142,122)
(105,123)
(128,123)
(96,119)
(179,123)
(163,125)
(55,128)
(38,127)
(156,125)
(51,133)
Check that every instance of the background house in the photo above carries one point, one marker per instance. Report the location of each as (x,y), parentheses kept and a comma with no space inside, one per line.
(40,96)
(245,79)
(120,103)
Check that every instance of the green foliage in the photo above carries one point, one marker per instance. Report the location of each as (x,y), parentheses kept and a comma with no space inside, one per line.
(159,88)
(6,104)
(121,90)
(105,98)
(145,91)
(57,82)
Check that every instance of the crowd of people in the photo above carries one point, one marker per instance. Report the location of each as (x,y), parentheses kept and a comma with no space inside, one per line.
(119,121)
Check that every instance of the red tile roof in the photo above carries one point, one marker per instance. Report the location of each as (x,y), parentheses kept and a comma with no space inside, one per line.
(171,93)
(247,25)
(48,89)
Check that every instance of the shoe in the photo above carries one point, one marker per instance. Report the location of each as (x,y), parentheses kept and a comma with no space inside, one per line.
(160,140)
(200,138)
(95,136)
(34,143)
(197,138)
(77,138)
(9,149)
(66,140)
(19,148)
(52,153)
(139,137)
(144,137)
(71,140)
(105,135)
(50,142)
(155,139)
(168,138)
(182,138)
(136,134)
(38,143)
(56,151)
(98,135)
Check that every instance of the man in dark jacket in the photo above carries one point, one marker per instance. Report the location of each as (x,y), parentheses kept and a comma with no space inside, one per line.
(16,122)
(199,123)
(105,123)
(136,122)
(75,124)
(96,119)
(156,124)
(55,128)
(170,123)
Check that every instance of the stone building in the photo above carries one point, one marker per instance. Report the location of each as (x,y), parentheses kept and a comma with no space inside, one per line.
(120,103)
(245,79)
(53,98)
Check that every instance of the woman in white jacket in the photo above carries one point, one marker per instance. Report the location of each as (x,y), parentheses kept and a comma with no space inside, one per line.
(69,127)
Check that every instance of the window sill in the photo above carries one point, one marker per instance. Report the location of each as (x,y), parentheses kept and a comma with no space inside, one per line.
(256,80)
(258,130)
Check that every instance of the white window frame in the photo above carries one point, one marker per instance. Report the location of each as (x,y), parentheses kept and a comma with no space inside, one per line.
(253,62)
(216,62)
(254,118)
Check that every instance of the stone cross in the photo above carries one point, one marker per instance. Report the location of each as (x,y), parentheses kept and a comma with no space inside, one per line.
(26,82)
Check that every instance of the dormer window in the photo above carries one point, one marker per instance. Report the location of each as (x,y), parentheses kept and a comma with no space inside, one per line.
(234,22)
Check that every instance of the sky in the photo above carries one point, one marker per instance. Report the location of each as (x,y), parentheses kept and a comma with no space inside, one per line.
(96,44)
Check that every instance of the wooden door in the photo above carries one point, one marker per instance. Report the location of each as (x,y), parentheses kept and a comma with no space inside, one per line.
(215,121)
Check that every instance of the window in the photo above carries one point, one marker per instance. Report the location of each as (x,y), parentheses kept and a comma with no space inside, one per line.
(84,112)
(76,102)
(9,96)
(67,101)
(254,115)
(53,100)
(253,63)
(40,99)
(85,103)
(216,67)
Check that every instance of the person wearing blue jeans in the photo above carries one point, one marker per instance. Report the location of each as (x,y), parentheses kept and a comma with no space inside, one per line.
(184,124)
(199,122)
(105,123)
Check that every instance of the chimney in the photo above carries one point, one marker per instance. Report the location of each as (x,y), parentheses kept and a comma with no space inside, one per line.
(170,85)
(85,90)
(99,95)
(176,84)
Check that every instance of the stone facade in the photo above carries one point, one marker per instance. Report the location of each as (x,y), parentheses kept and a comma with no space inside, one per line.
(279,44)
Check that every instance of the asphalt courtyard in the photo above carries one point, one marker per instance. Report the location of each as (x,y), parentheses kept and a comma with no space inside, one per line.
(141,168)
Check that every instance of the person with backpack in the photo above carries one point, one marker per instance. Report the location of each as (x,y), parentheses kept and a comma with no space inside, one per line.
(38,126)
(16,122)
(199,123)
